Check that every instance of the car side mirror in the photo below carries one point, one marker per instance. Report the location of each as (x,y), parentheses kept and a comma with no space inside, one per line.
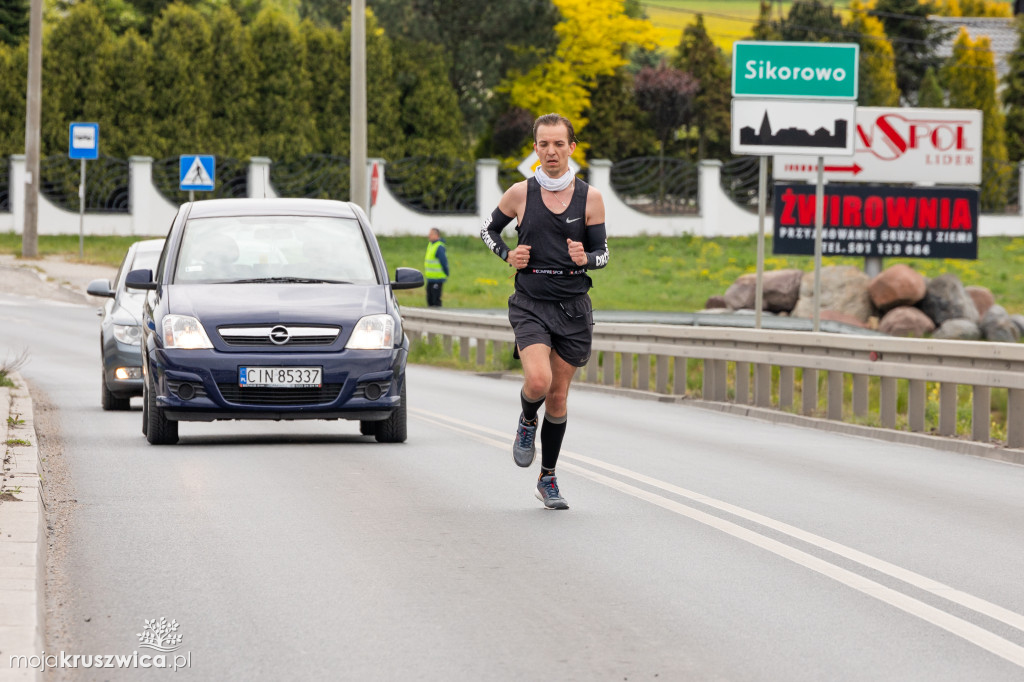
(407,278)
(100,287)
(140,279)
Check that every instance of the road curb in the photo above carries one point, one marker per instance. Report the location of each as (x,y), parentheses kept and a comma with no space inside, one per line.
(22,534)
(962,447)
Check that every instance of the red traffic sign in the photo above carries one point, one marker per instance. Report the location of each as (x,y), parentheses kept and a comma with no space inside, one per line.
(374,184)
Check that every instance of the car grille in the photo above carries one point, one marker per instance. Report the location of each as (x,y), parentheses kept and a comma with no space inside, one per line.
(248,395)
(291,336)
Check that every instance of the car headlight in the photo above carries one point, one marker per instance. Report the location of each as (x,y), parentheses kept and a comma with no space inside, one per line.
(182,331)
(373,332)
(129,334)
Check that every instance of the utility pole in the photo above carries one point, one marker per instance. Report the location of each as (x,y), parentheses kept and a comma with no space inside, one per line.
(358,190)
(33,107)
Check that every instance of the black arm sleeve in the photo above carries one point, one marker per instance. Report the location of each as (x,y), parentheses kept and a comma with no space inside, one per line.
(491,233)
(596,246)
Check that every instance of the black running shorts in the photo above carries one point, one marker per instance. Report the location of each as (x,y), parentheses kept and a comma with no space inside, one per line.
(565,326)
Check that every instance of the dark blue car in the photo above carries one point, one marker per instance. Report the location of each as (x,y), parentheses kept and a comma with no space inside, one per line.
(272,309)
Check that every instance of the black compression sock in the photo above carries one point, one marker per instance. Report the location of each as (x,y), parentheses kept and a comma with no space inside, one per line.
(551,433)
(529,408)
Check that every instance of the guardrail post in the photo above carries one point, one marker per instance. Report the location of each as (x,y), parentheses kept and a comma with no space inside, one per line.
(661,375)
(981,413)
(643,372)
(626,372)
(707,385)
(916,397)
(762,385)
(810,391)
(464,348)
(743,383)
(947,409)
(787,379)
(721,380)
(835,395)
(860,395)
(679,376)
(593,365)
(887,403)
(1015,418)
(447,345)
(608,367)
(481,351)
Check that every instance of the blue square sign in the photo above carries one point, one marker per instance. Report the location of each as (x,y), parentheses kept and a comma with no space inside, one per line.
(84,141)
(196,172)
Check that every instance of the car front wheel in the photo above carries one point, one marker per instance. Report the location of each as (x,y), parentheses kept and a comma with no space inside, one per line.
(158,429)
(393,429)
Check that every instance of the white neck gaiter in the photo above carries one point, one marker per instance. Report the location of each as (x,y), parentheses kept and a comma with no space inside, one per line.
(553,184)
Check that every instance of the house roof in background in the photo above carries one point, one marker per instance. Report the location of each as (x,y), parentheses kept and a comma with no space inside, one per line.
(1001,30)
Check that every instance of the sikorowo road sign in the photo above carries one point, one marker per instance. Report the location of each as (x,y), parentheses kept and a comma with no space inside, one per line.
(765,127)
(84,141)
(795,70)
(894,144)
(196,172)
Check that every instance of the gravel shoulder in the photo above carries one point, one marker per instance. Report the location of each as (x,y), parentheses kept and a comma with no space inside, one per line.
(51,277)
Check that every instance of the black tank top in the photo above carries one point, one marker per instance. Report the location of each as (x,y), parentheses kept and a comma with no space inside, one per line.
(551,274)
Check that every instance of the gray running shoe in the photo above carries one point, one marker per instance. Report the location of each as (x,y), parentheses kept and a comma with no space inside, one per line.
(523,448)
(547,492)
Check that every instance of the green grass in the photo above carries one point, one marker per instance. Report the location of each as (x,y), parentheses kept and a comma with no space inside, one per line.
(645,273)
(725,20)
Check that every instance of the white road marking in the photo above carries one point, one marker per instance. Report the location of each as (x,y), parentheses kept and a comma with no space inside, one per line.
(970,632)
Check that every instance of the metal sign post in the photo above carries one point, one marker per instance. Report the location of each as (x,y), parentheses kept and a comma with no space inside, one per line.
(83,143)
(762,203)
(81,214)
(819,222)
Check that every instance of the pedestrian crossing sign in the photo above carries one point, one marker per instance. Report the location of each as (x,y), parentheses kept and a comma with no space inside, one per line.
(196,172)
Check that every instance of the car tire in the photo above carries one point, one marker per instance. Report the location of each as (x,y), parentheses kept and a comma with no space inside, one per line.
(393,429)
(159,430)
(368,428)
(111,401)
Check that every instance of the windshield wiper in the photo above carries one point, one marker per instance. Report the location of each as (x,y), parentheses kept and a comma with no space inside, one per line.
(290,280)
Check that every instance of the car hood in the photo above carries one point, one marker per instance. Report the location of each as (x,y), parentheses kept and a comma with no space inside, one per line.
(219,304)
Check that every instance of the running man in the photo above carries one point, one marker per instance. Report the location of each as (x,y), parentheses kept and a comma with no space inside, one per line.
(560,221)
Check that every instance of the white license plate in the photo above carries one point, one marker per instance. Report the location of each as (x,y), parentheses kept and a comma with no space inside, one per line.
(280,377)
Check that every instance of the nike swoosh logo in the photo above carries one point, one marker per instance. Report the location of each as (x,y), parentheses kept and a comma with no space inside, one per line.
(571,221)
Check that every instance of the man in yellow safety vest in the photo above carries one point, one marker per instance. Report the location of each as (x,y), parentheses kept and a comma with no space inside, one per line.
(435,267)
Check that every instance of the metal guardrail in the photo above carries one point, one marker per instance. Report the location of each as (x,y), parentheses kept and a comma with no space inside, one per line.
(646,356)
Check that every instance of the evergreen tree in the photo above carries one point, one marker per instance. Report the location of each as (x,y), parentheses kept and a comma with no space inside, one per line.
(701,58)
(182,56)
(618,128)
(74,87)
(127,121)
(766,28)
(232,77)
(431,120)
(283,121)
(877,82)
(13,75)
(13,21)
(915,40)
(812,21)
(1013,98)
(327,53)
(931,95)
(971,74)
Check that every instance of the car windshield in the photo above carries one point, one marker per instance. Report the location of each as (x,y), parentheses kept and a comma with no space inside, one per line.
(274,249)
(144,259)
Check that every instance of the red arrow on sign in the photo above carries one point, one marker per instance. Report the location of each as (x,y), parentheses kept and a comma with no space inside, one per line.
(844,169)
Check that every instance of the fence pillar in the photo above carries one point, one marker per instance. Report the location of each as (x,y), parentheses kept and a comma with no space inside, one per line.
(981,413)
(709,180)
(488,187)
(258,178)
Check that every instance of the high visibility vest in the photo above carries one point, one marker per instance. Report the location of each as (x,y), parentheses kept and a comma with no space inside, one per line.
(431,265)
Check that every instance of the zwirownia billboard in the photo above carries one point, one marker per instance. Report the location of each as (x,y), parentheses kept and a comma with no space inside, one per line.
(923,146)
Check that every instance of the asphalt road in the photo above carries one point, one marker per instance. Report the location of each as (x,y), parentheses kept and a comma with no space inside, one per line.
(698,546)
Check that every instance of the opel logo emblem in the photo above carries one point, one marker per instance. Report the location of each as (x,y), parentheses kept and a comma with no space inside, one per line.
(279,335)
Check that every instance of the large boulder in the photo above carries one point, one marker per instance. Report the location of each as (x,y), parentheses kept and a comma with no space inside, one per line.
(781,290)
(898,285)
(740,293)
(996,325)
(1019,321)
(982,297)
(835,316)
(958,328)
(947,299)
(844,289)
(906,320)
(715,302)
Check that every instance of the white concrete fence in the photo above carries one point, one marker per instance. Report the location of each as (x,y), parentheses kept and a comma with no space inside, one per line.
(150,213)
